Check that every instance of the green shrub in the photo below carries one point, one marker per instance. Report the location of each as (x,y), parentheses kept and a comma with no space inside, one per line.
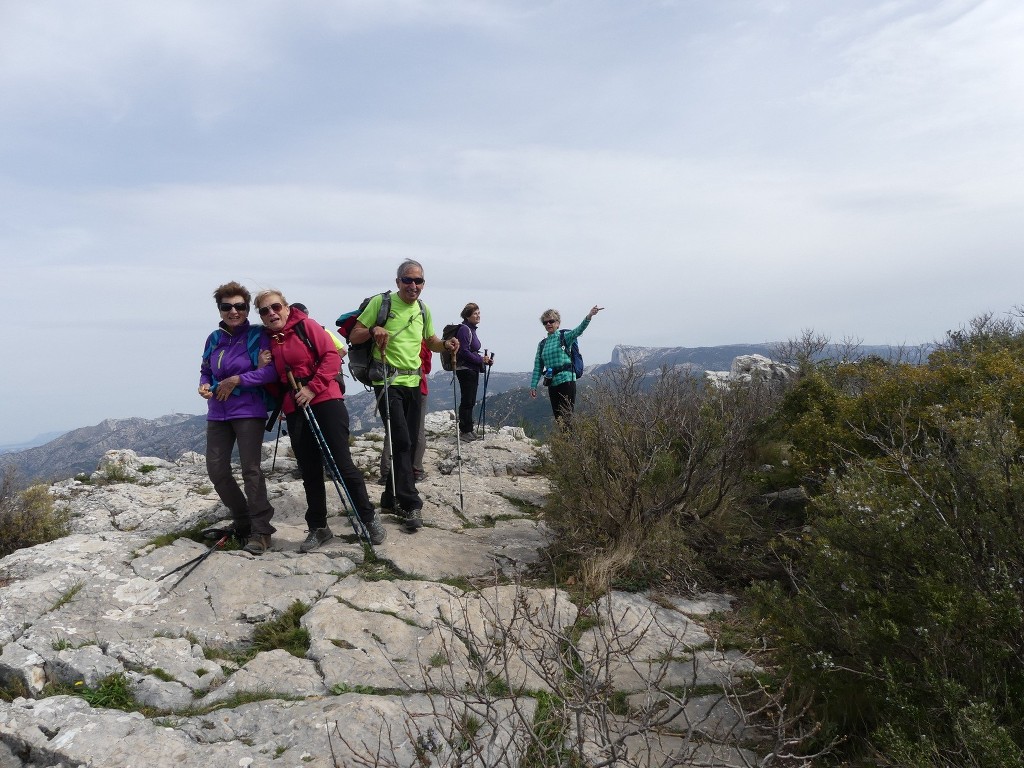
(28,517)
(904,609)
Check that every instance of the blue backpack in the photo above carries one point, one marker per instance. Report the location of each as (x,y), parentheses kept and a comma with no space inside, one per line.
(572,352)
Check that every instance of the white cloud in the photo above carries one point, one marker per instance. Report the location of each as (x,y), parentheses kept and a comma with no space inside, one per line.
(712,173)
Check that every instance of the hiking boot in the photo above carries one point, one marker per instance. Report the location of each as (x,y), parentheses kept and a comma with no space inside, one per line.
(315,539)
(414,520)
(376,529)
(215,532)
(419,475)
(467,437)
(257,544)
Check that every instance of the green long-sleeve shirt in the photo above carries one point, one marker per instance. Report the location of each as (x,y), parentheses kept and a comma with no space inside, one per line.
(551,354)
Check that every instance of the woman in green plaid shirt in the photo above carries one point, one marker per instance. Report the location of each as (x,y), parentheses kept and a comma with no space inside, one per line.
(551,354)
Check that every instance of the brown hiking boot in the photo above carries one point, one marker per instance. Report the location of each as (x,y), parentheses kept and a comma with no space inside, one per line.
(257,544)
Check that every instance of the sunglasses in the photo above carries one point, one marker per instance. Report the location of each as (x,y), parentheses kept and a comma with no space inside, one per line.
(546,322)
(410,280)
(275,307)
(239,307)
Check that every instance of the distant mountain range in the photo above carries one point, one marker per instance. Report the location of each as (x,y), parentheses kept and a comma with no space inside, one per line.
(508,402)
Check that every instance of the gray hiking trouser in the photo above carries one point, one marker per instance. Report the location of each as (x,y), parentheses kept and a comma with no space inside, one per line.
(251,512)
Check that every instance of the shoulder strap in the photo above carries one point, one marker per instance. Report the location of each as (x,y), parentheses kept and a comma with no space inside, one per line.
(423,314)
(385,308)
(300,331)
(253,345)
(211,343)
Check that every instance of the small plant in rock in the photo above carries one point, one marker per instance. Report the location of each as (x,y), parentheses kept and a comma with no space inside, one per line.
(115,473)
(285,632)
(13,689)
(112,692)
(67,596)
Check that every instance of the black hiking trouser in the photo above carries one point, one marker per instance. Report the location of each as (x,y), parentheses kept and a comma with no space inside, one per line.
(403,405)
(563,401)
(332,418)
(469,382)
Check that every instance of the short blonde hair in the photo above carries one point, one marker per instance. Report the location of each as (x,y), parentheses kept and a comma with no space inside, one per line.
(551,314)
(269,292)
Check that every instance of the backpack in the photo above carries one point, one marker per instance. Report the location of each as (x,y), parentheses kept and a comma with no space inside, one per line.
(576,365)
(574,354)
(252,346)
(300,331)
(360,356)
(449,332)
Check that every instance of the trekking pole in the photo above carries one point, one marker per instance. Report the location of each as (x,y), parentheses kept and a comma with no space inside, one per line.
(388,442)
(458,437)
(194,562)
(482,418)
(278,440)
(332,468)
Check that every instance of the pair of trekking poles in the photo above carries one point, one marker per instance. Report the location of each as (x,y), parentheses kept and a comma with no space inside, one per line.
(332,470)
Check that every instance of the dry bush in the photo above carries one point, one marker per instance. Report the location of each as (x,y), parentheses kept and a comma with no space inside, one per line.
(524,688)
(27,517)
(650,464)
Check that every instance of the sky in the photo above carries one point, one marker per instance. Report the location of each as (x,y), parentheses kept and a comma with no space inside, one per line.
(710,172)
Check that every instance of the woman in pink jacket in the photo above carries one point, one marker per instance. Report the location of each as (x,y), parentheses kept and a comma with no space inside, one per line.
(301,347)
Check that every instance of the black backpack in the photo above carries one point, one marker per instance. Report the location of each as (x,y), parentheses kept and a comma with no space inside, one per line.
(449,332)
(360,356)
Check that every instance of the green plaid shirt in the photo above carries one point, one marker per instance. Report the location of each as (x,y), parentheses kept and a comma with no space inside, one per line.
(551,354)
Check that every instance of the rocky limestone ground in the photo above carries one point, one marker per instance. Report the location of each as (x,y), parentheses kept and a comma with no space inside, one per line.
(413,650)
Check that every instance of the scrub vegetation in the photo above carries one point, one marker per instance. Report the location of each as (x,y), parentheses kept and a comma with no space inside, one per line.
(28,516)
(870,511)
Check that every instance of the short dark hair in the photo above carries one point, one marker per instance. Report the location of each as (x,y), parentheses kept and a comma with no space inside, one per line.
(469,309)
(231,289)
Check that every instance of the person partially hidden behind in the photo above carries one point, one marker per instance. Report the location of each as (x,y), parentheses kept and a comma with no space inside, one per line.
(555,364)
(396,351)
(231,379)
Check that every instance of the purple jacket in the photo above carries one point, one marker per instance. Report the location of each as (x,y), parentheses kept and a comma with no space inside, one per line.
(230,357)
(468,356)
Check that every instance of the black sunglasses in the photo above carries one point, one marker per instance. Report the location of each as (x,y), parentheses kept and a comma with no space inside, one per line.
(275,307)
(239,307)
(408,280)
(549,322)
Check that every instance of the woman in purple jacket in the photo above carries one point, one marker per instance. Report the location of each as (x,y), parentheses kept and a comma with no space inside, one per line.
(469,364)
(231,380)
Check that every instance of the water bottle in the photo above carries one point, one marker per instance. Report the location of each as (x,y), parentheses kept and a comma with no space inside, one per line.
(548,375)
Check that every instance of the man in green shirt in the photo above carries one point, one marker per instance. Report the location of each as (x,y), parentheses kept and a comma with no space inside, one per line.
(397,346)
